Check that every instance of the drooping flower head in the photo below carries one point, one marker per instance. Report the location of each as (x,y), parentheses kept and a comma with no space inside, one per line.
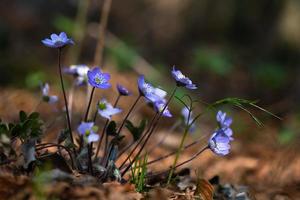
(122,90)
(219,143)
(182,80)
(87,129)
(57,41)
(106,110)
(79,72)
(159,106)
(188,120)
(224,122)
(98,79)
(51,99)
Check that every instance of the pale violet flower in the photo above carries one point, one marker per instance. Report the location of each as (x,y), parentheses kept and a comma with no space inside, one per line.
(79,72)
(51,99)
(57,41)
(219,143)
(224,122)
(106,110)
(98,79)
(150,92)
(182,80)
(122,90)
(87,129)
(159,106)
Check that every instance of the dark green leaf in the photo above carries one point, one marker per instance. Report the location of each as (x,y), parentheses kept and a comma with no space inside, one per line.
(136,131)
(23,116)
(111,128)
(34,115)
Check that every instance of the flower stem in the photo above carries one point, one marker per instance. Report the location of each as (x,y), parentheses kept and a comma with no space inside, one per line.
(47,145)
(130,110)
(136,146)
(104,128)
(89,105)
(151,131)
(174,152)
(183,163)
(187,127)
(65,98)
(90,149)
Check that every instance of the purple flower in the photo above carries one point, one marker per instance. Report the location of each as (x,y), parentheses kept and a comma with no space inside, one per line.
(219,143)
(187,121)
(159,106)
(122,90)
(182,80)
(79,72)
(57,41)
(51,99)
(88,130)
(98,79)
(224,122)
(106,110)
(149,92)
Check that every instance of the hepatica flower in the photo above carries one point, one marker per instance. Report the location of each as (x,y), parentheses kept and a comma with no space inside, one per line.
(122,90)
(98,79)
(187,120)
(224,122)
(45,93)
(219,143)
(159,106)
(79,72)
(182,80)
(57,41)
(87,129)
(149,92)
(106,110)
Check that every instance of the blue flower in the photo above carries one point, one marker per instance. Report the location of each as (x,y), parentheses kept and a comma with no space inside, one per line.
(122,90)
(224,122)
(87,129)
(98,79)
(185,114)
(106,110)
(57,41)
(51,99)
(219,143)
(149,92)
(182,80)
(79,72)
(159,106)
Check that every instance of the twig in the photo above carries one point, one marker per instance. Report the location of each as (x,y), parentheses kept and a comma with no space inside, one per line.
(101,38)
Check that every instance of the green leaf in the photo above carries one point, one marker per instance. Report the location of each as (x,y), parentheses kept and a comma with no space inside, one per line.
(136,131)
(23,116)
(34,115)
(111,128)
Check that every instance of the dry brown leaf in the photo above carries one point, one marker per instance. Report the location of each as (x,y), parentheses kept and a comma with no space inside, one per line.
(204,189)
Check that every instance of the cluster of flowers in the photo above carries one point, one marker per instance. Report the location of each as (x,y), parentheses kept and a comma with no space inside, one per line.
(220,140)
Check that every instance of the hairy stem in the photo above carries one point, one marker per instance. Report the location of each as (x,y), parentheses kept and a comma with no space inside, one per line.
(129,112)
(187,127)
(183,163)
(136,146)
(151,131)
(104,128)
(89,105)
(65,98)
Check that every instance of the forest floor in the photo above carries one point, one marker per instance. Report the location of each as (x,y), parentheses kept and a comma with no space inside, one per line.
(267,169)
